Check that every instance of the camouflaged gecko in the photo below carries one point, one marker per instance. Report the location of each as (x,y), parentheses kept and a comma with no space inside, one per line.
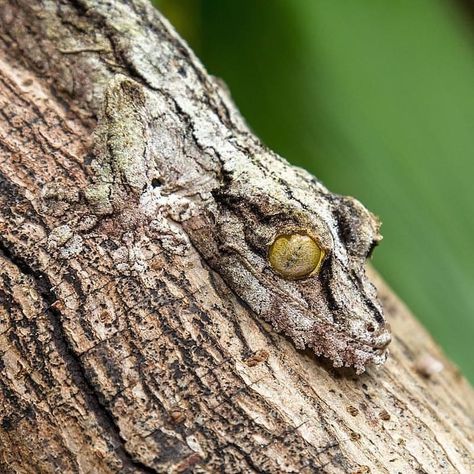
(290,249)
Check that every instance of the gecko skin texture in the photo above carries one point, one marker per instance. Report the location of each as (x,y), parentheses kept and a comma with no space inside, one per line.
(334,311)
(240,197)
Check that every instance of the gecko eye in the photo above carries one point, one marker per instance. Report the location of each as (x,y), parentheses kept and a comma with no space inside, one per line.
(295,255)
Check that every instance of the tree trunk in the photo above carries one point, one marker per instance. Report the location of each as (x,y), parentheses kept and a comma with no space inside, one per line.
(120,349)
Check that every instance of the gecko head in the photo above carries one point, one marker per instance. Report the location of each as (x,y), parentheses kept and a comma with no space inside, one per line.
(296,254)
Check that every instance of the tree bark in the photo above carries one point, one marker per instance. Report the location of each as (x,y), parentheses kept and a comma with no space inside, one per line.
(122,353)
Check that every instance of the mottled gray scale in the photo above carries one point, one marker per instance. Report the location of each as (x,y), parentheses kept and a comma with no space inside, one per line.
(336,311)
(231,202)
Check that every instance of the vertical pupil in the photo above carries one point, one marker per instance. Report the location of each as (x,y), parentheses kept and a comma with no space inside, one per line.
(295,255)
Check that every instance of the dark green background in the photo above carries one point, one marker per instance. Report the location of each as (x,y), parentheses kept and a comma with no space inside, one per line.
(376,98)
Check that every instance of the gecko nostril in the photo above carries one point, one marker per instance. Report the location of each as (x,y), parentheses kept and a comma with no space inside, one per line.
(370,328)
(156,182)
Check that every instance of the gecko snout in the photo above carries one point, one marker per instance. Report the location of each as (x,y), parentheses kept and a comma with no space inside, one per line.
(383,338)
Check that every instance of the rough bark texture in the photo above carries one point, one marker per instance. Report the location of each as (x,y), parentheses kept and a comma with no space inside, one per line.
(121,351)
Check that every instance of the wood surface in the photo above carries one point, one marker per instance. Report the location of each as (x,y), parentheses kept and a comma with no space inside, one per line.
(122,353)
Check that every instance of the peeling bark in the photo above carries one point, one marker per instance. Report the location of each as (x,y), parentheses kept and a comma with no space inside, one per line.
(120,352)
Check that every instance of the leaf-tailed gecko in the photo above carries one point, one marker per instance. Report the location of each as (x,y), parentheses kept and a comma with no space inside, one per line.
(294,252)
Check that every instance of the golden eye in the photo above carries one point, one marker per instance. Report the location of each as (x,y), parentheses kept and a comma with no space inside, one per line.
(295,255)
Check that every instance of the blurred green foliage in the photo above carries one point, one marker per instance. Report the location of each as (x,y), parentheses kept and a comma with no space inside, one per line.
(377,100)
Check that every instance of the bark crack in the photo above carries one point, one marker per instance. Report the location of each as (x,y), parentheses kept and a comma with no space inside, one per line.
(73,362)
